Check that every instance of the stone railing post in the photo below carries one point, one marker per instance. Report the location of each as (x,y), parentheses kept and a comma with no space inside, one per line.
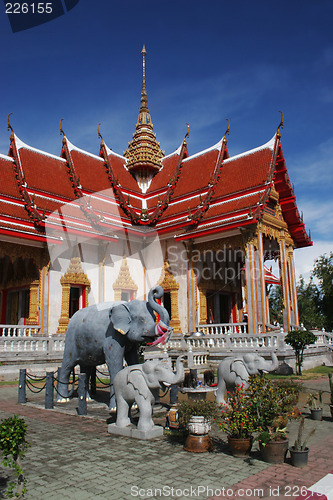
(49,391)
(22,395)
(82,392)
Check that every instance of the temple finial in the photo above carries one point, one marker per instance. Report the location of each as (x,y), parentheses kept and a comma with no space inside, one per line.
(227,131)
(144,100)
(8,123)
(99,134)
(61,130)
(278,133)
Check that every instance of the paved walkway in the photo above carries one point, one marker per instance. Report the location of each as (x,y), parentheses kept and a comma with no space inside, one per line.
(75,458)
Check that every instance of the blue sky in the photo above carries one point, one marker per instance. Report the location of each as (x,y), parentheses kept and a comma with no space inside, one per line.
(206,61)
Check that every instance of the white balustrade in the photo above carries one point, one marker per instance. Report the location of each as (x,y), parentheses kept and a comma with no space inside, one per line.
(19,330)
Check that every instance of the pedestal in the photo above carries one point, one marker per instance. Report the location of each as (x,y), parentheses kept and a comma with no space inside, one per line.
(133,432)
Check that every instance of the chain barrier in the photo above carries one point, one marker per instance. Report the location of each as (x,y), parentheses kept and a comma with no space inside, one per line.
(73,383)
(104,384)
(104,374)
(38,389)
(35,378)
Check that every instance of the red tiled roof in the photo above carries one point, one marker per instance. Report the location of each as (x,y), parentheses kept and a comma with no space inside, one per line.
(8,183)
(45,173)
(169,165)
(235,196)
(90,171)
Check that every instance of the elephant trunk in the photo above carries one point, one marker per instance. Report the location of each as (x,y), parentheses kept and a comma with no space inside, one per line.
(270,366)
(179,375)
(163,331)
(157,293)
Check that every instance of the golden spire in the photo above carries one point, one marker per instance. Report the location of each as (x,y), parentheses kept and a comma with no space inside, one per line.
(144,100)
(144,153)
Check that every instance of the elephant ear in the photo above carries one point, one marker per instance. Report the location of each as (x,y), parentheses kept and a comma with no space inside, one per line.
(137,380)
(239,368)
(121,318)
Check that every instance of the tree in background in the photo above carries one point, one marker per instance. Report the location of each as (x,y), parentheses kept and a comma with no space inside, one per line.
(308,304)
(323,271)
(275,304)
(299,340)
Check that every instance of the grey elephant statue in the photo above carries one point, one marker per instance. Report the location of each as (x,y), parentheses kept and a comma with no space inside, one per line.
(235,371)
(140,384)
(109,333)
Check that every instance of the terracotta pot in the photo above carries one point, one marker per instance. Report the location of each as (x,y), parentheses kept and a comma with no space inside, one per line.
(274,452)
(299,458)
(316,414)
(198,444)
(240,447)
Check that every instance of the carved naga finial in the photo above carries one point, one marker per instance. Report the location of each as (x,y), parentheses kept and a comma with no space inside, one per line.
(278,133)
(99,133)
(227,131)
(61,129)
(187,134)
(8,123)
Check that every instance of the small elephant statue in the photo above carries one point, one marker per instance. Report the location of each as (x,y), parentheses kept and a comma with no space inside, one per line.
(109,333)
(235,371)
(140,384)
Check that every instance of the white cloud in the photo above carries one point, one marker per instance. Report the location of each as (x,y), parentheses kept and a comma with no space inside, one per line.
(316,215)
(305,257)
(314,168)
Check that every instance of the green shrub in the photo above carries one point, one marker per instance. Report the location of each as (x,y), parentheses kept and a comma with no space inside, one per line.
(13,446)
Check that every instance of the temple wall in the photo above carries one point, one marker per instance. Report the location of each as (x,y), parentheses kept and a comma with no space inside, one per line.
(54,301)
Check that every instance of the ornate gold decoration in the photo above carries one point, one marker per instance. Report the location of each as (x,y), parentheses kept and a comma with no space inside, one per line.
(74,276)
(144,153)
(203,305)
(227,131)
(124,282)
(9,127)
(33,303)
(169,284)
(278,133)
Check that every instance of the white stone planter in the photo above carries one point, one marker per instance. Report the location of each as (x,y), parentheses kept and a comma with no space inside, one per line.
(199,425)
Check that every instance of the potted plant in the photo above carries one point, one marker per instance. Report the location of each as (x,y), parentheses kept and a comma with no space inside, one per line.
(273,403)
(13,446)
(299,452)
(196,417)
(238,422)
(273,444)
(315,404)
(330,378)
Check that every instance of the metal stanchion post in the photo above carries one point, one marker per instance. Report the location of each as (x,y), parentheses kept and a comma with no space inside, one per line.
(173,394)
(81,390)
(49,391)
(22,395)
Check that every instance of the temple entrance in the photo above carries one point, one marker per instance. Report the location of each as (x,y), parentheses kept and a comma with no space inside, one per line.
(17,307)
(219,307)
(167,302)
(74,300)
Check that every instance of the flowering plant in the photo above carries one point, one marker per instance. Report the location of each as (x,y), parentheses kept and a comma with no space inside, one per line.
(238,417)
(273,402)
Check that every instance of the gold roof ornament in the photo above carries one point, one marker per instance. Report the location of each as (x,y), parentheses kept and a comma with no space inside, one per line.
(278,133)
(144,154)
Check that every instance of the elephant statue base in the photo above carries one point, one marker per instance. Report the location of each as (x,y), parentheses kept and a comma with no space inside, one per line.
(133,432)
(141,384)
